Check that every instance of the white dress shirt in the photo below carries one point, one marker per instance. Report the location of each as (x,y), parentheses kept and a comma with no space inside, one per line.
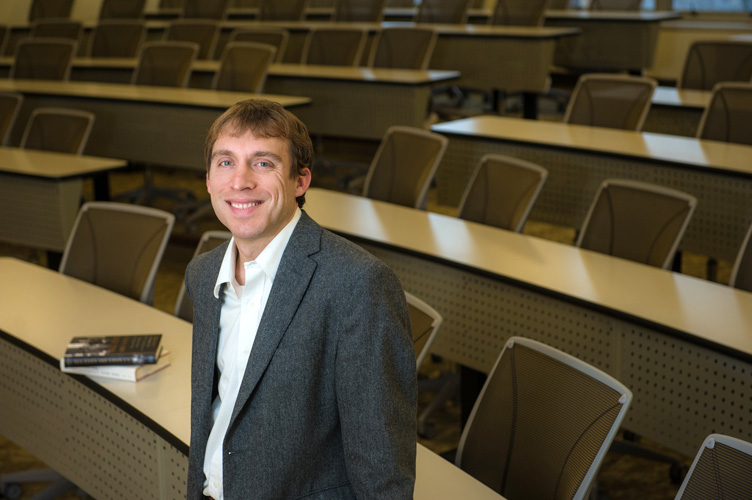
(242,308)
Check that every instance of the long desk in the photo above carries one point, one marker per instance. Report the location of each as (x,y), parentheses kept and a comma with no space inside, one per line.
(610,40)
(117,439)
(40,193)
(681,344)
(159,125)
(352,102)
(579,158)
(676,111)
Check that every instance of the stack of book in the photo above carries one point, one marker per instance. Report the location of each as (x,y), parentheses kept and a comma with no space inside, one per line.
(122,357)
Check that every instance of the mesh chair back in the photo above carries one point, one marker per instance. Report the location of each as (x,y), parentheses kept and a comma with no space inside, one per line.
(205,9)
(722,470)
(57,129)
(209,241)
(614,101)
(404,165)
(203,32)
(117,38)
(166,64)
(541,424)
(519,12)
(43,59)
(729,114)
(57,28)
(443,11)
(10,103)
(364,11)
(118,246)
(122,9)
(403,48)
(741,273)
(244,67)
(3,39)
(41,9)
(334,47)
(616,5)
(170,4)
(713,61)
(425,321)
(282,10)
(502,191)
(277,37)
(637,221)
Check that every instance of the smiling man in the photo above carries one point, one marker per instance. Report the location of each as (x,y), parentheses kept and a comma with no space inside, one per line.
(303,375)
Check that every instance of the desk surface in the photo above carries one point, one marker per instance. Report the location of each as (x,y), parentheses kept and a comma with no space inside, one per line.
(73,307)
(612,15)
(733,158)
(53,165)
(707,312)
(143,93)
(685,98)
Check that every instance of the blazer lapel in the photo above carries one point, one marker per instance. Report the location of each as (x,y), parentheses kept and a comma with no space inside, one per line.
(290,284)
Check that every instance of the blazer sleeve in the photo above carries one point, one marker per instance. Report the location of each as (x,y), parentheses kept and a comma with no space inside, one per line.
(376,387)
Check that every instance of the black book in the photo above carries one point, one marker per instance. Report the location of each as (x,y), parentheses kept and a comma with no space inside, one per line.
(113,350)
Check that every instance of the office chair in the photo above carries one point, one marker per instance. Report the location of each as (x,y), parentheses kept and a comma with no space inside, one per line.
(209,241)
(4,31)
(117,38)
(58,129)
(363,11)
(722,470)
(519,12)
(728,115)
(165,63)
(202,32)
(637,221)
(277,37)
(10,103)
(741,273)
(59,9)
(542,423)
(404,165)
(712,61)
(616,5)
(402,48)
(122,9)
(57,28)
(608,100)
(282,10)
(118,246)
(43,59)
(443,11)
(334,46)
(501,192)
(205,9)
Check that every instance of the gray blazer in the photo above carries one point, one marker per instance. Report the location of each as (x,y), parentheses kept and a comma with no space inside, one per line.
(327,406)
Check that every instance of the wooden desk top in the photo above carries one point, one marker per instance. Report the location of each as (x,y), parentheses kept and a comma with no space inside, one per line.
(45,164)
(613,15)
(144,93)
(672,96)
(73,307)
(682,151)
(703,312)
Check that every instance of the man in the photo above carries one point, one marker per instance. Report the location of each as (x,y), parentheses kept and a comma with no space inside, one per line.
(303,376)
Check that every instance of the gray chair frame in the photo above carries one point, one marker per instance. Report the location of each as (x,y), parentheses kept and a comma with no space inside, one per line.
(519,12)
(361,11)
(129,33)
(722,469)
(728,114)
(261,55)
(181,79)
(443,11)
(39,114)
(26,51)
(737,67)
(278,37)
(202,32)
(392,41)
(10,104)
(315,53)
(741,272)
(122,9)
(40,9)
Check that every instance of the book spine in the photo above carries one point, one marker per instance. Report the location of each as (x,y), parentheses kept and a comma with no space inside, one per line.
(110,360)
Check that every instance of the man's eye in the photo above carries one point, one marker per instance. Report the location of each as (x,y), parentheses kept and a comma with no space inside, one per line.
(224,163)
(264,164)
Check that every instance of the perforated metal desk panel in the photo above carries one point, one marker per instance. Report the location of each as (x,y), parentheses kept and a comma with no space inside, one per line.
(139,123)
(117,440)
(40,193)
(609,40)
(682,345)
(676,111)
(579,158)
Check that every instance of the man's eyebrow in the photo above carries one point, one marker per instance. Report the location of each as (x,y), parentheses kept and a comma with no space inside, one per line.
(221,152)
(267,154)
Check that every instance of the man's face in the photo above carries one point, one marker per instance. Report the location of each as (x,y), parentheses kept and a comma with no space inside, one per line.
(251,190)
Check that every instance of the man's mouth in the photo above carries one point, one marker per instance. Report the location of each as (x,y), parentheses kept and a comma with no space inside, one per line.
(243,206)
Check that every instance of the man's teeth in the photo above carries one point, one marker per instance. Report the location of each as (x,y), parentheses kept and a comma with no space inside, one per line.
(242,206)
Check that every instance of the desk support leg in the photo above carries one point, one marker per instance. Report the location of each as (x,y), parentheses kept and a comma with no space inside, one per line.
(530,105)
(102,187)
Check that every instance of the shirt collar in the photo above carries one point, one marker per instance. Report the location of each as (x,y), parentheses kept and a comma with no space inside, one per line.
(268,259)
